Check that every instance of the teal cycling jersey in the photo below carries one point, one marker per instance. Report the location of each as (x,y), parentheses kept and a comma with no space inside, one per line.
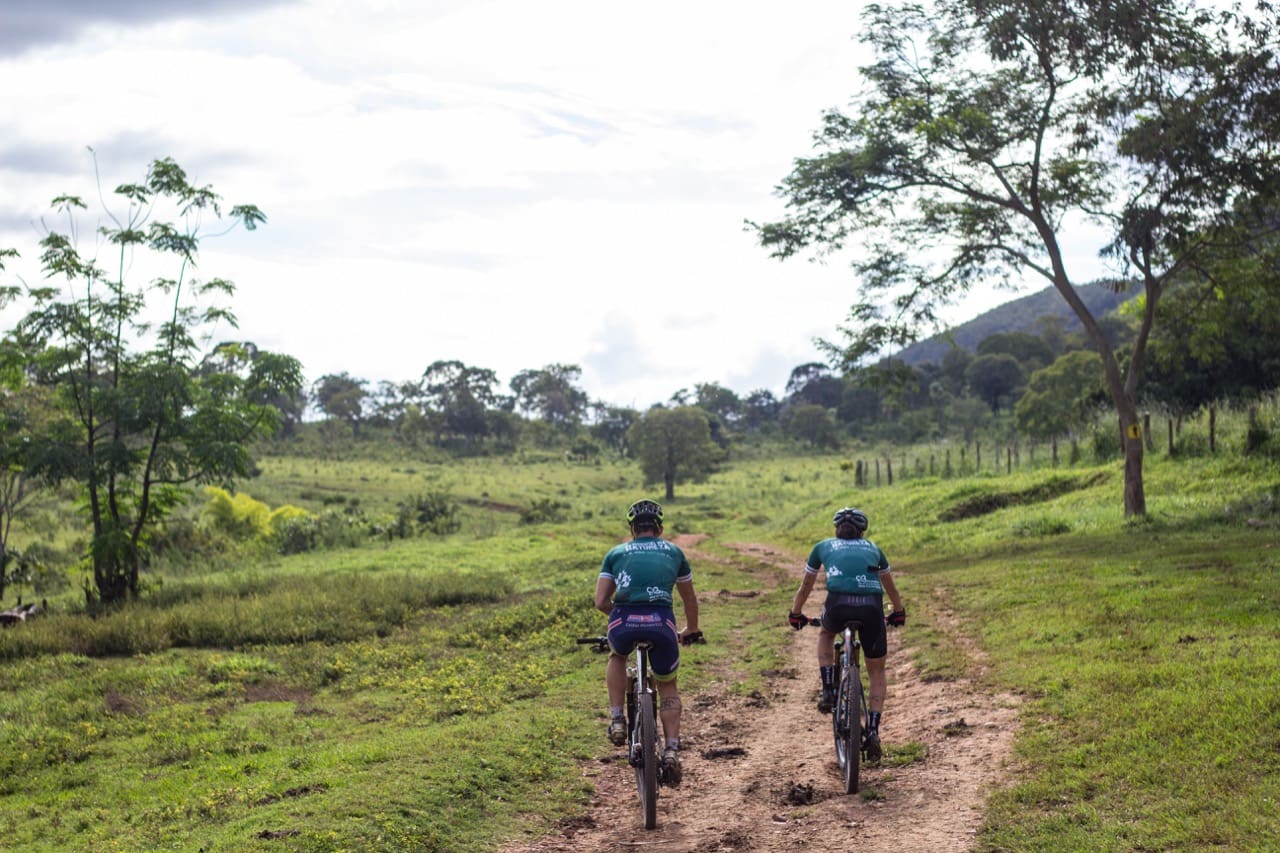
(853,565)
(645,570)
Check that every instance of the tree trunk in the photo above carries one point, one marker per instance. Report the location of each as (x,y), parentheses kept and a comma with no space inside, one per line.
(670,479)
(1135,499)
(1213,428)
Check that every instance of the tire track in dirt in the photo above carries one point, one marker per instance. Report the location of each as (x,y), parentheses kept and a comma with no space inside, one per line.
(759,772)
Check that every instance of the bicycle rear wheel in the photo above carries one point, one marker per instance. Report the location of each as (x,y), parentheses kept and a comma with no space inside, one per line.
(847,724)
(646,762)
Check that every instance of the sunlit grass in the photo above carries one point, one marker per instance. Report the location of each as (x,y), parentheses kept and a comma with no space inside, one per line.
(426,692)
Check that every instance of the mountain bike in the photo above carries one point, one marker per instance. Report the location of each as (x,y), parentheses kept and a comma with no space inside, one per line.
(850,717)
(644,750)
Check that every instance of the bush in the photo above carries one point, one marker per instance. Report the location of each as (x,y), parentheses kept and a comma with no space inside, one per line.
(434,512)
(295,535)
(239,516)
(341,529)
(544,510)
(1106,444)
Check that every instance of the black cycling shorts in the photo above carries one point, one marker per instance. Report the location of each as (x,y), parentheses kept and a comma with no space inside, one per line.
(868,610)
(655,623)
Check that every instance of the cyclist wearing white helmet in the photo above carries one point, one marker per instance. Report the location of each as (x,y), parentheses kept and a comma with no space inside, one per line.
(634,588)
(858,577)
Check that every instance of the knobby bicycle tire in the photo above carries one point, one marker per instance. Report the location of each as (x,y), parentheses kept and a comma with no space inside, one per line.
(847,724)
(647,764)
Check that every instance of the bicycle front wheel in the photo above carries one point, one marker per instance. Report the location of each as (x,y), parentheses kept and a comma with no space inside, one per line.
(847,723)
(645,742)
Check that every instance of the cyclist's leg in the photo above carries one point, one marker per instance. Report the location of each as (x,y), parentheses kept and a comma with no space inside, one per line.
(878,683)
(875,649)
(832,624)
(664,657)
(669,709)
(826,647)
(615,679)
(875,706)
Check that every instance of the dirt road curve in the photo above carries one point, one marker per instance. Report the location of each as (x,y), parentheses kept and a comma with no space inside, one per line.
(759,772)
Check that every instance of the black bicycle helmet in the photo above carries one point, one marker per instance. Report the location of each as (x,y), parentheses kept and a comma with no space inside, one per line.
(849,515)
(645,510)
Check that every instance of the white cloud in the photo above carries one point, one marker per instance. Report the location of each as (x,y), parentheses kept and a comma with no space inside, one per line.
(506,183)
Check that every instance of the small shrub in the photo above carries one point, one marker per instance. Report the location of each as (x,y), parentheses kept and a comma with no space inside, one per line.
(340,529)
(434,512)
(295,535)
(239,516)
(1106,444)
(543,511)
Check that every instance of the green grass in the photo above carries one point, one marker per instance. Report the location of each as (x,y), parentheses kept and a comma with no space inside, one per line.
(425,693)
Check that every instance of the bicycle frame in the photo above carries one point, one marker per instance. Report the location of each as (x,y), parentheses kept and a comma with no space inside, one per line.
(643,748)
(850,717)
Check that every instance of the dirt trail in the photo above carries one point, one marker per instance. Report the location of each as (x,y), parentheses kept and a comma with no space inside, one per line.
(759,773)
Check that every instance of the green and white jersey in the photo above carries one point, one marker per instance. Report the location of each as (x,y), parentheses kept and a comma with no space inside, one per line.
(853,565)
(645,570)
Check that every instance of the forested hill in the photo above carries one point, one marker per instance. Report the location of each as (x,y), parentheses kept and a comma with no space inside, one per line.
(1018,315)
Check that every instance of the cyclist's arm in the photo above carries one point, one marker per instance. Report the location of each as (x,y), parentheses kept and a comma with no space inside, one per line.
(689,599)
(891,589)
(806,587)
(605,586)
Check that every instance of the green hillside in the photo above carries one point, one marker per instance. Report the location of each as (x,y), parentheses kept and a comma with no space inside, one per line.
(1017,315)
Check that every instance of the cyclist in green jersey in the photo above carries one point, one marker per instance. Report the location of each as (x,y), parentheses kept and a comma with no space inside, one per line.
(858,577)
(634,589)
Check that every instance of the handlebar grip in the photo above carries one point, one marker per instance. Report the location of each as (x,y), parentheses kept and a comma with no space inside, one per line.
(695,637)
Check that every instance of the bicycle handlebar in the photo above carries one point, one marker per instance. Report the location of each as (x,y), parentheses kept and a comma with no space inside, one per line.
(817,623)
(602,643)
(598,644)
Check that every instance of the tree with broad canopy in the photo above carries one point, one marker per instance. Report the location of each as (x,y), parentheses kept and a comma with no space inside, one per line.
(674,445)
(145,415)
(989,131)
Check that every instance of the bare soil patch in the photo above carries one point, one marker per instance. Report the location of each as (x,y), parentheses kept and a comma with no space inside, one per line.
(759,771)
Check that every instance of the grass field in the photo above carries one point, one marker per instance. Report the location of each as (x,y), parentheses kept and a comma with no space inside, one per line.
(425,693)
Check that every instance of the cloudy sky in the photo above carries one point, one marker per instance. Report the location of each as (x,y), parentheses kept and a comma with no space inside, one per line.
(507,183)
